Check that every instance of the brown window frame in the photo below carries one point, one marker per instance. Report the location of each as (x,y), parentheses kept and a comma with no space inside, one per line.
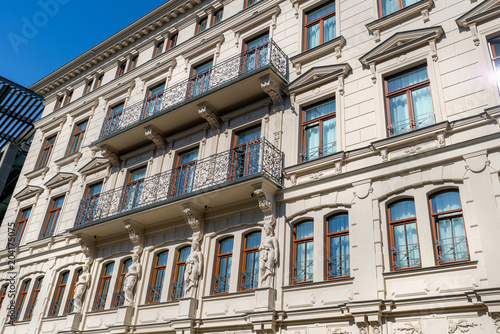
(153,99)
(172,41)
(46,148)
(320,20)
(236,152)
(182,168)
(59,103)
(119,292)
(254,51)
(56,211)
(219,257)
(249,252)
(34,297)
(88,87)
(55,307)
(195,76)
(121,69)
(69,308)
(3,293)
(380,7)
(305,124)
(133,183)
(67,98)
(20,224)
(217,14)
(79,135)
(157,268)
(202,23)
(329,237)
(294,255)
(178,265)
(104,279)
(132,63)
(22,298)
(249,3)
(158,50)
(98,81)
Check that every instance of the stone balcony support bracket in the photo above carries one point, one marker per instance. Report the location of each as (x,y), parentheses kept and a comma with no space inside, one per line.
(153,134)
(272,88)
(110,154)
(206,111)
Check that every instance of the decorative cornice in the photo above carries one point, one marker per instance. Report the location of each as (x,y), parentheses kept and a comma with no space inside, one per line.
(461,325)
(333,46)
(28,192)
(60,179)
(256,18)
(317,76)
(485,11)
(94,165)
(37,172)
(68,159)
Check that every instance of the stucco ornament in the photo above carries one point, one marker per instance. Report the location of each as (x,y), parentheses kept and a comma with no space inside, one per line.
(194,269)
(269,252)
(80,288)
(460,326)
(409,328)
(131,278)
(362,328)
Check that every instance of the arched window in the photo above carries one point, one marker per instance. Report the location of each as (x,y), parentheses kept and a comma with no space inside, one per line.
(448,227)
(250,270)
(58,296)
(102,293)
(22,298)
(303,252)
(403,235)
(79,272)
(34,298)
(223,269)
(120,293)
(180,265)
(158,277)
(338,262)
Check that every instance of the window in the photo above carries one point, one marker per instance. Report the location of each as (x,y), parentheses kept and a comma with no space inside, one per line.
(121,69)
(3,292)
(408,101)
(24,215)
(77,138)
(256,53)
(403,235)
(319,130)
(92,199)
(184,172)
(88,87)
(68,98)
(132,63)
(201,26)
(98,82)
(320,25)
(104,286)
(53,217)
(245,154)
(34,297)
(180,265)
(387,7)
(494,46)
(303,252)
(59,103)
(153,100)
(217,16)
(59,295)
(71,304)
(200,79)
(172,41)
(114,117)
(158,277)
(448,227)
(158,49)
(46,150)
(337,235)
(248,3)
(223,270)
(133,189)
(120,293)
(22,298)
(251,253)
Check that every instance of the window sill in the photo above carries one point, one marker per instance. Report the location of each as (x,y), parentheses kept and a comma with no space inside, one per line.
(422,7)
(331,282)
(37,172)
(430,270)
(74,157)
(323,164)
(236,294)
(105,311)
(333,46)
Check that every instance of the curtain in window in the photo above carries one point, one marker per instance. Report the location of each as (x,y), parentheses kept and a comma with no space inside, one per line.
(313,36)
(402,210)
(389,6)
(399,114)
(446,201)
(329,136)
(422,107)
(312,142)
(452,240)
(409,2)
(304,252)
(329,29)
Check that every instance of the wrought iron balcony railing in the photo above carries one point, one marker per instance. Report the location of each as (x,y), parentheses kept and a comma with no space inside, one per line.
(406,256)
(155,293)
(227,71)
(410,124)
(318,151)
(256,157)
(222,283)
(338,266)
(178,290)
(452,249)
(250,279)
(303,271)
(120,298)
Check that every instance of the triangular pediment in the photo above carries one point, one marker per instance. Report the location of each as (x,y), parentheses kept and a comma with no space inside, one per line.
(401,42)
(317,76)
(60,179)
(484,11)
(94,165)
(27,192)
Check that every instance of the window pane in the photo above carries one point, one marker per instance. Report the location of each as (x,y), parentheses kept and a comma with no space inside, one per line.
(184,253)
(137,174)
(226,246)
(389,6)
(248,135)
(422,107)
(446,201)
(329,136)
(329,29)
(162,259)
(313,36)
(409,2)
(304,230)
(402,210)
(312,142)
(188,156)
(407,79)
(319,110)
(338,223)
(253,240)
(322,11)
(399,114)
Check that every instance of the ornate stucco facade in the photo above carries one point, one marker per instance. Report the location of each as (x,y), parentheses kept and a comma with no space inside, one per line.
(285,167)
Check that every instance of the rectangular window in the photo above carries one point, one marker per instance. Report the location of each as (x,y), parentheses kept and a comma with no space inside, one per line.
(132,63)
(248,3)
(22,298)
(319,130)
(88,87)
(217,16)
(98,81)
(153,100)
(255,53)
(184,172)
(201,26)
(172,41)
(245,155)
(34,298)
(24,215)
(320,25)
(59,102)
(403,235)
(3,293)
(59,295)
(494,47)
(53,217)
(180,266)
(158,277)
(223,270)
(104,286)
(303,252)
(251,254)
(448,227)
(133,190)
(68,98)
(114,118)
(387,7)
(200,79)
(92,199)
(46,150)
(408,101)
(77,138)
(338,261)
(158,49)
(120,292)
(121,69)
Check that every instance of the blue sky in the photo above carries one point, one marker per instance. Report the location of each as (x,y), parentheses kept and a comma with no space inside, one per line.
(39,36)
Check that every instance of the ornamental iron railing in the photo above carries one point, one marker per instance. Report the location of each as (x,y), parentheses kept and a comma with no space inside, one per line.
(101,301)
(338,266)
(178,290)
(250,279)
(71,305)
(255,157)
(120,298)
(452,249)
(222,283)
(267,54)
(55,308)
(410,124)
(318,151)
(155,293)
(303,271)
(406,256)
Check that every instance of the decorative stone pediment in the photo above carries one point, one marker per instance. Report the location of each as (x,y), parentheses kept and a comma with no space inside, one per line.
(317,76)
(485,11)
(400,43)
(60,179)
(257,18)
(27,192)
(204,45)
(94,165)
(333,46)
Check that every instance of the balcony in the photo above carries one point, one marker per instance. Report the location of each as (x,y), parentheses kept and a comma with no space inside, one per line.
(232,83)
(230,174)
(410,124)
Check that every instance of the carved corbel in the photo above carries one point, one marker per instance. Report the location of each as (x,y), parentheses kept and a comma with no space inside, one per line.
(475,36)
(153,134)
(207,112)
(194,219)
(384,154)
(363,329)
(274,18)
(237,39)
(266,203)
(110,154)
(440,139)
(375,327)
(340,80)
(298,67)
(295,4)
(374,75)
(271,88)
(135,235)
(432,44)
(376,34)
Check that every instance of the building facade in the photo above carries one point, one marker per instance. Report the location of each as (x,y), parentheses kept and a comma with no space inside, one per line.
(270,166)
